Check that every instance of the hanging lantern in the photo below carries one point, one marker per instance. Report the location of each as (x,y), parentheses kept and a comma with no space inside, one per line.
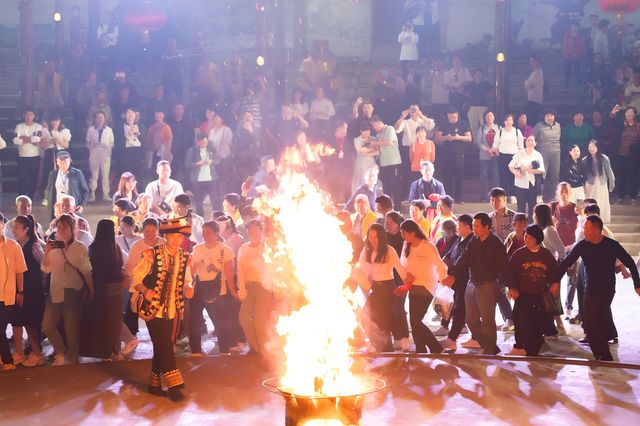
(619,6)
(144,16)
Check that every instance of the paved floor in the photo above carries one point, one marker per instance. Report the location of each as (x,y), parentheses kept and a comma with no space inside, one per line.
(226,390)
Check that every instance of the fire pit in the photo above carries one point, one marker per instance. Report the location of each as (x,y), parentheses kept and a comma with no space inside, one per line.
(343,409)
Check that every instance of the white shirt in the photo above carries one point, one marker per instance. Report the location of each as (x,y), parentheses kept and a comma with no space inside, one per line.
(126,244)
(97,142)
(534,85)
(455,79)
(135,254)
(601,44)
(409,128)
(409,46)
(64,276)
(322,109)
(509,142)
(34,131)
(206,262)
(439,90)
(425,264)
(12,263)
(252,268)
(167,191)
(520,159)
(132,140)
(57,137)
(204,172)
(62,185)
(374,271)
(220,139)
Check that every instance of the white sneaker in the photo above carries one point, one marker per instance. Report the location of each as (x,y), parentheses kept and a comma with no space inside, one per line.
(92,197)
(448,344)
(404,344)
(7,367)
(18,359)
(442,331)
(44,202)
(33,360)
(58,360)
(513,200)
(471,344)
(464,330)
(508,326)
(130,347)
(517,352)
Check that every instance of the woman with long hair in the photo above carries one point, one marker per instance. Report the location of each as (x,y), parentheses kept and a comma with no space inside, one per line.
(424,269)
(67,260)
(126,188)
(509,141)
(574,174)
(29,314)
(399,324)
(543,217)
(600,179)
(102,319)
(375,270)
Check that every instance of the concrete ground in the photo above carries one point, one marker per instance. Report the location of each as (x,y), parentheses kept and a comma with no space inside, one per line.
(562,387)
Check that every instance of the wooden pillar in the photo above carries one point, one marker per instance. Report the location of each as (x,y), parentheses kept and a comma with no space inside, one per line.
(27,47)
(503,24)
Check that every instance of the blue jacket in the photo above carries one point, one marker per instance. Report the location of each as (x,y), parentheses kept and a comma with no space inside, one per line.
(78,187)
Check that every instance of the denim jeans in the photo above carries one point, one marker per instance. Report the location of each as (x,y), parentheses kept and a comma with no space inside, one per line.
(480,306)
(488,176)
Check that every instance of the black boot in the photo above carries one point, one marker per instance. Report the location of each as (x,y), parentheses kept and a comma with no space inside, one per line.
(156,390)
(175,394)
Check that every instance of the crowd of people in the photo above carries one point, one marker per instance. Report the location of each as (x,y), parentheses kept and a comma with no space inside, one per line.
(160,257)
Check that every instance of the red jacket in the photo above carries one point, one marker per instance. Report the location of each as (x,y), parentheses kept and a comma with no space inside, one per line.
(573,46)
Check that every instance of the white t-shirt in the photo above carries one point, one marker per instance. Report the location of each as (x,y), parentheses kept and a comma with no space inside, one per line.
(56,137)
(439,90)
(520,159)
(374,271)
(322,109)
(206,262)
(204,172)
(252,268)
(509,142)
(62,275)
(456,79)
(409,128)
(534,86)
(425,264)
(126,244)
(34,131)
(167,191)
(409,46)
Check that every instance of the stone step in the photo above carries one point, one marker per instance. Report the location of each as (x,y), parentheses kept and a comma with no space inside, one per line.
(619,228)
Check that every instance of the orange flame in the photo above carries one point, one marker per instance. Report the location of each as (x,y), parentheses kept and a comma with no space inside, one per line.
(310,260)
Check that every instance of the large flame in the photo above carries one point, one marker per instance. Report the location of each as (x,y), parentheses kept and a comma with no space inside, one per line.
(310,259)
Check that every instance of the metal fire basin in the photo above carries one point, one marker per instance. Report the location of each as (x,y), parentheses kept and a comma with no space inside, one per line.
(300,409)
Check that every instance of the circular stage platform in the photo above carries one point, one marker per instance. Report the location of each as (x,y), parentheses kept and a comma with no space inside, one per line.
(226,390)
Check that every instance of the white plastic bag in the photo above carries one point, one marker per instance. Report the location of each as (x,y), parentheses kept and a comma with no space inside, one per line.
(443,301)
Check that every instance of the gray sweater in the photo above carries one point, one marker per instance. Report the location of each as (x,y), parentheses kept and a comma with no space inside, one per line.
(547,137)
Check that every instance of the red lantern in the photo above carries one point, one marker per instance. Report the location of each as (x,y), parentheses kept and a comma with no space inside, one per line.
(619,6)
(144,16)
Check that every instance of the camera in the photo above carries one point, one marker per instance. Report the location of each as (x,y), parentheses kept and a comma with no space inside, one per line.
(535,165)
